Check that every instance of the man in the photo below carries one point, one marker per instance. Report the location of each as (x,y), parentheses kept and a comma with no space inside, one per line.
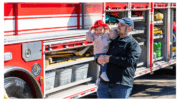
(121,59)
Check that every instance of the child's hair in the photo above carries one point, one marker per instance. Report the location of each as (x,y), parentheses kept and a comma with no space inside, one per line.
(97,27)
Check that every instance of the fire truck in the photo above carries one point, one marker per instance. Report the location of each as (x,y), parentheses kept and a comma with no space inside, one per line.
(47,56)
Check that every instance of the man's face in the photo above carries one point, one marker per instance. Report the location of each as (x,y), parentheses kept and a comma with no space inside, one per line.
(121,29)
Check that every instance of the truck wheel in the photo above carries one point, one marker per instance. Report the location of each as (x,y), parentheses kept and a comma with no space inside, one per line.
(17,88)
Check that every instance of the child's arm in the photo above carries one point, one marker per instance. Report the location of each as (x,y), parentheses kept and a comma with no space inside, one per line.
(111,33)
(89,36)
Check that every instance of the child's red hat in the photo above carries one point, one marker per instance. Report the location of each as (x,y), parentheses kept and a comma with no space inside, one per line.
(99,23)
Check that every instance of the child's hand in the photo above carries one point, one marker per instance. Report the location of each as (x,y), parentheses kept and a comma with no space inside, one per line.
(90,29)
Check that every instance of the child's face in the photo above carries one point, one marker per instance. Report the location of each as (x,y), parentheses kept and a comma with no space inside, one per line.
(99,30)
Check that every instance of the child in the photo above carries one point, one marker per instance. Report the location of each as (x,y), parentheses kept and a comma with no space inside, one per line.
(101,42)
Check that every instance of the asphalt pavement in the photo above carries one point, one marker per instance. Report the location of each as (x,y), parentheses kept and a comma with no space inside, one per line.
(160,85)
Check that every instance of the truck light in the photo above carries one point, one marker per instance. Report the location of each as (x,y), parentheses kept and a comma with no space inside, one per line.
(41,79)
(28,53)
(36,69)
(7,56)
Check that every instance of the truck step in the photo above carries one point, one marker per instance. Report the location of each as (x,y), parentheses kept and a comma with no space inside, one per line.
(68,85)
(74,92)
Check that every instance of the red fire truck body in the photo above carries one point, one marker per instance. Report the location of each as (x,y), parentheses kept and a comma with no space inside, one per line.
(32,31)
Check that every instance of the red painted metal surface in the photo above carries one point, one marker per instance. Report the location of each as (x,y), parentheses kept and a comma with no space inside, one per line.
(8,9)
(69,44)
(50,11)
(103,7)
(47,8)
(129,7)
(173,5)
(28,11)
(15,13)
(116,5)
(17,60)
(161,5)
(93,8)
(139,5)
(11,9)
(151,36)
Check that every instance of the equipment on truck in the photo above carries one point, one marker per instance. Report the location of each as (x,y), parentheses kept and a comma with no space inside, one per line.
(158,16)
(137,14)
(115,14)
(140,39)
(157,49)
(174,49)
(174,27)
(69,53)
(61,56)
(110,19)
(157,31)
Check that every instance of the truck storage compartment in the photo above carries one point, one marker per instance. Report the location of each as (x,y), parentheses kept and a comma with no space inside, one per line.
(74,68)
(137,16)
(49,79)
(140,33)
(80,72)
(139,21)
(68,57)
(160,35)
(112,16)
(63,76)
(115,11)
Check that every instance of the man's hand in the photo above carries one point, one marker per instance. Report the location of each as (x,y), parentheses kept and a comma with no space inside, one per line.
(103,59)
(100,59)
(106,57)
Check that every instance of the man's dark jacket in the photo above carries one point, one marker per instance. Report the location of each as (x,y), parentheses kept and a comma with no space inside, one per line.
(121,68)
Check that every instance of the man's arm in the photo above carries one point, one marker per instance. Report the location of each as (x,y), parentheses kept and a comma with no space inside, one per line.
(127,61)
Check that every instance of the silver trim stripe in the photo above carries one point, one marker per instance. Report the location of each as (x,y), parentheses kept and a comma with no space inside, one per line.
(64,40)
(42,36)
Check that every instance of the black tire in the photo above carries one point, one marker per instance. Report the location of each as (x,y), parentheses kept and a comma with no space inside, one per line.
(17,88)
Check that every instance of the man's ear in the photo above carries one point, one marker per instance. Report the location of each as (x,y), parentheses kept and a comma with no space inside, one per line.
(129,28)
